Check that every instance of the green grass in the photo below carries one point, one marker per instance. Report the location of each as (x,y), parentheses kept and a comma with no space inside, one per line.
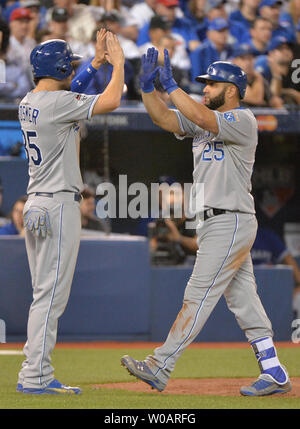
(95,366)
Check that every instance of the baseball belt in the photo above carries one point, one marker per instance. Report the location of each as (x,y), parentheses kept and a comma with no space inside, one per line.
(214,212)
(77,196)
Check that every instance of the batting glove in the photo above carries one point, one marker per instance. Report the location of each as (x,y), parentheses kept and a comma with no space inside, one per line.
(37,221)
(166,76)
(149,70)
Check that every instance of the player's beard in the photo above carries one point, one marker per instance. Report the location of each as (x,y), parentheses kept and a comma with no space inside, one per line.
(218,101)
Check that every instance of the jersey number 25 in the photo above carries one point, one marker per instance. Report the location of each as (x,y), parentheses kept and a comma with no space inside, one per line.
(213,151)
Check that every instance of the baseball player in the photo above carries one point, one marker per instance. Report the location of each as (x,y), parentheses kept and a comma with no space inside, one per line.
(49,118)
(224,143)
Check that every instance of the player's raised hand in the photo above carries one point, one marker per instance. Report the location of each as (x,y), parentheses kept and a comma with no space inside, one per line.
(100,49)
(166,75)
(114,54)
(149,70)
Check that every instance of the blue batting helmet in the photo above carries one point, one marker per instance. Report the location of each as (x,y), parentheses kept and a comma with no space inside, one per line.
(52,59)
(224,71)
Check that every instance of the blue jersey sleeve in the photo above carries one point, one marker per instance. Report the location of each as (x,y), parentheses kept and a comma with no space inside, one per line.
(83,78)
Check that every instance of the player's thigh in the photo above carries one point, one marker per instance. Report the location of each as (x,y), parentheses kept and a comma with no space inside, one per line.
(56,254)
(224,243)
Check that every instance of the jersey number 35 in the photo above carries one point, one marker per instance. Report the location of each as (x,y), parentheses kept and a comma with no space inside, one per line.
(32,150)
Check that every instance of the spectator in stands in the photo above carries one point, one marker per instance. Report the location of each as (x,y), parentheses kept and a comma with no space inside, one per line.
(101,79)
(172,242)
(293,77)
(181,26)
(246,13)
(103,6)
(81,22)
(196,14)
(15,227)
(270,9)
(58,28)
(143,12)
(20,43)
(129,24)
(258,91)
(297,35)
(275,69)
(255,92)
(38,15)
(269,249)
(260,35)
(215,9)
(291,16)
(215,48)
(159,27)
(58,23)
(277,61)
(17,80)
(89,220)
(113,22)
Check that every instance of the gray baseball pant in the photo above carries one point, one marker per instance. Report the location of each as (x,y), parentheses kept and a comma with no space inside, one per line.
(223,266)
(52,263)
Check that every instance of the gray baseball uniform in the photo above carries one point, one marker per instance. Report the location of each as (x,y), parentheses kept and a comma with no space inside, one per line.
(223,265)
(51,137)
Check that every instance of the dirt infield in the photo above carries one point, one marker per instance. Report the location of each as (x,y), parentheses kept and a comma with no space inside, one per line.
(203,386)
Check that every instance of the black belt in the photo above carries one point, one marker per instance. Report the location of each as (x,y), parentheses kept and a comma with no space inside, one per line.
(213,212)
(77,196)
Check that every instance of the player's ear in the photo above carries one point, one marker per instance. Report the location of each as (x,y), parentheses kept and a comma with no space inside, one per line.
(232,91)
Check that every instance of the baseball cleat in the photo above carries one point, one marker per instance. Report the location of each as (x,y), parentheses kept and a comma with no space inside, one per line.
(265,385)
(19,388)
(53,388)
(141,371)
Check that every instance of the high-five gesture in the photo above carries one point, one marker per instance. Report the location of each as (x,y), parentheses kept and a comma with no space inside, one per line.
(166,75)
(114,54)
(100,49)
(149,70)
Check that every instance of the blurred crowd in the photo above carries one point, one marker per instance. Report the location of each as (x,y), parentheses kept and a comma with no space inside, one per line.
(263,37)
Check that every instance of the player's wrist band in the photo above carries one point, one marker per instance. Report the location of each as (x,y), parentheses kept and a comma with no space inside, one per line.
(170,85)
(147,86)
(172,88)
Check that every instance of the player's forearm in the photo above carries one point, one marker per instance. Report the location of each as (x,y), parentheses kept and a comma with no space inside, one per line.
(194,111)
(159,112)
(111,97)
(156,108)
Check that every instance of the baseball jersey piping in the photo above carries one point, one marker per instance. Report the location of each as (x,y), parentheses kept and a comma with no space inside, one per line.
(205,296)
(90,111)
(53,291)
